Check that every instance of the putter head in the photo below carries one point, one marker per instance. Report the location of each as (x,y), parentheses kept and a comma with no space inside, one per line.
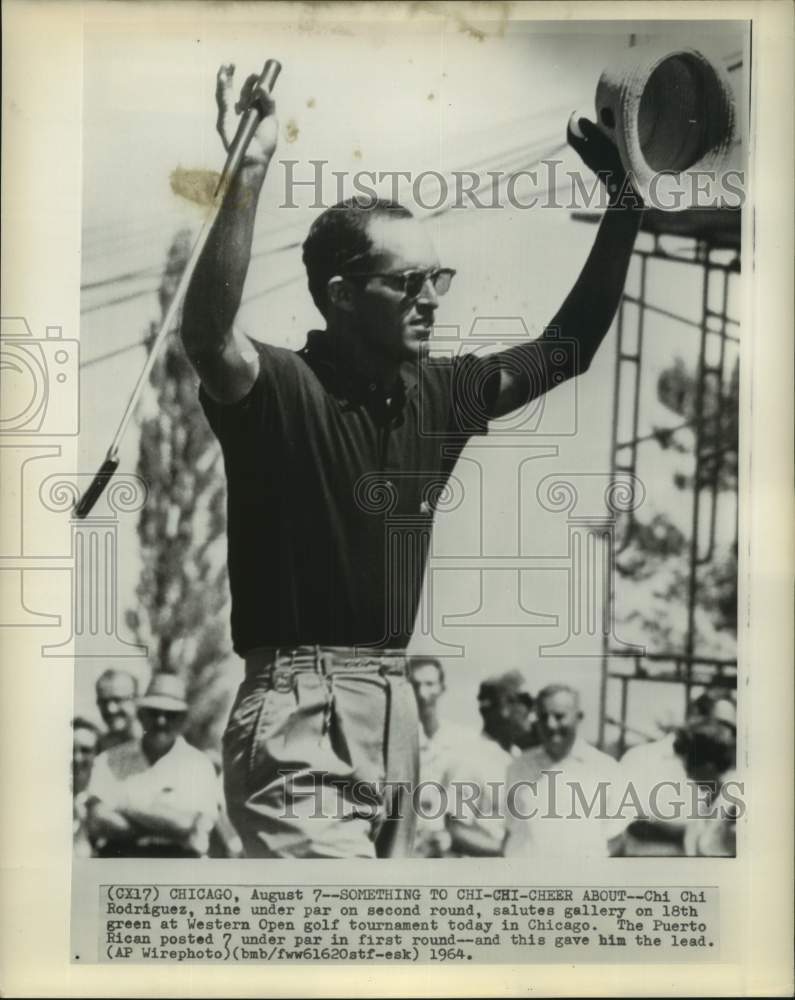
(86,502)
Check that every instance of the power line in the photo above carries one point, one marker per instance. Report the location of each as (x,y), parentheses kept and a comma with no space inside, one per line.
(119,300)
(267,251)
(114,354)
(101,243)
(508,171)
(144,272)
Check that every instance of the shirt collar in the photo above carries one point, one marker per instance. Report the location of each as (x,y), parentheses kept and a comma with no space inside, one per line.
(580,749)
(175,751)
(513,752)
(322,353)
(579,752)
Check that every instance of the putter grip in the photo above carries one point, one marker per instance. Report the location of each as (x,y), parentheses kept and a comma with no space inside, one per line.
(270,74)
(94,491)
(256,110)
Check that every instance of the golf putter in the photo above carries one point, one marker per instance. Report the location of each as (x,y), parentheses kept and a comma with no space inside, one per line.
(249,121)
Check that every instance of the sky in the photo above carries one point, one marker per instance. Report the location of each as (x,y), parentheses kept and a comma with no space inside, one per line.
(370,96)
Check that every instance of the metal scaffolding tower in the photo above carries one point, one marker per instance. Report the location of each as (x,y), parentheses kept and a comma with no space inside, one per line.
(710,242)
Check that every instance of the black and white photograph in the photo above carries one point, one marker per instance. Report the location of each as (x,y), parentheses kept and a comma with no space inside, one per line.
(402,493)
(437,436)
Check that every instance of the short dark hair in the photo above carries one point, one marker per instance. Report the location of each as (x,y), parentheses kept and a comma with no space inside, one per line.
(112,673)
(705,703)
(79,722)
(427,661)
(503,689)
(706,742)
(338,235)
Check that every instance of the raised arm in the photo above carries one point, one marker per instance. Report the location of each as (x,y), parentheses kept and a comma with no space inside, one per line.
(224,359)
(529,370)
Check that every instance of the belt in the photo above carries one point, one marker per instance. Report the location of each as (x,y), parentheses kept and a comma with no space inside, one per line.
(279,666)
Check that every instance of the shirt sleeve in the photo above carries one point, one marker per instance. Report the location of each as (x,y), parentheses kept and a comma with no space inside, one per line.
(458,396)
(463,789)
(254,413)
(211,795)
(514,801)
(618,815)
(102,785)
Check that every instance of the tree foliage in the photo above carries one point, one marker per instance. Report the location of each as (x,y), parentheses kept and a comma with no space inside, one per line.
(654,553)
(183,597)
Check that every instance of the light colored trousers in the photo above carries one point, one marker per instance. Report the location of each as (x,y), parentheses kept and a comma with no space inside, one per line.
(321,754)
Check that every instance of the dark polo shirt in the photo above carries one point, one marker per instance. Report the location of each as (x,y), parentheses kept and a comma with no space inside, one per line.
(331,490)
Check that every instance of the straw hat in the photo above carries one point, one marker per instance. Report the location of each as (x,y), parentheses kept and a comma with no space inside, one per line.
(166,693)
(509,686)
(671,113)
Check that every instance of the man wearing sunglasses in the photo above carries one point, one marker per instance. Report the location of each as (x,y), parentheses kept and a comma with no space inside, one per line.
(335,457)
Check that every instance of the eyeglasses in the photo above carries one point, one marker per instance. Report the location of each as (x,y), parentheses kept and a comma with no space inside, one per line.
(412,282)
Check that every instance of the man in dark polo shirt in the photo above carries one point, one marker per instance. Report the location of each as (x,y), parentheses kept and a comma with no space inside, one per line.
(321,447)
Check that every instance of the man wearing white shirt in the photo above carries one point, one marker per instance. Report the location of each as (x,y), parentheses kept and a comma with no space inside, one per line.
(156,796)
(658,759)
(85,738)
(658,774)
(440,743)
(477,809)
(709,755)
(562,796)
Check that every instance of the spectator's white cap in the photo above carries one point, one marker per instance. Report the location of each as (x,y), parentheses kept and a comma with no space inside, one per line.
(166,693)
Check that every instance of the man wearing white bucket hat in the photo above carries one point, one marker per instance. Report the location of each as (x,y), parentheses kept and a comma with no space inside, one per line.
(156,796)
(320,447)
